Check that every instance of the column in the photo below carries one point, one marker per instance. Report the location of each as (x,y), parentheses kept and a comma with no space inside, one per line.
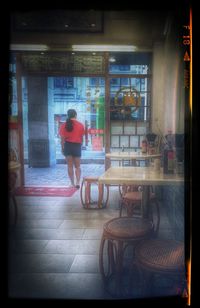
(41,143)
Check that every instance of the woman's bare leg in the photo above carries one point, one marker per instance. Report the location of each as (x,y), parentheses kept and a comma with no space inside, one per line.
(77,162)
(69,160)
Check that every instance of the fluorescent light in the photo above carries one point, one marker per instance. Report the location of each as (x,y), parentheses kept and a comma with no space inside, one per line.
(29,47)
(127,48)
(90,48)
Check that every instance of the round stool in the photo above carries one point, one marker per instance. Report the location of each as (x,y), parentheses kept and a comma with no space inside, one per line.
(118,234)
(101,198)
(161,257)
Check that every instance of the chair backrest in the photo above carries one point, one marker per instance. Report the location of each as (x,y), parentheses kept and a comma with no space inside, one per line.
(123,189)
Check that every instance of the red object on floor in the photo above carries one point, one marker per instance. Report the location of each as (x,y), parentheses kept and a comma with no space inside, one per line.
(46,191)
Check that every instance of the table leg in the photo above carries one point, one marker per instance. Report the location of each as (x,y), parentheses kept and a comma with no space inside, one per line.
(145,201)
(101,192)
(119,268)
(133,162)
(101,189)
(87,194)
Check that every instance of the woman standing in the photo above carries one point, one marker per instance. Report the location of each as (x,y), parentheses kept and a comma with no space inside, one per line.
(71,133)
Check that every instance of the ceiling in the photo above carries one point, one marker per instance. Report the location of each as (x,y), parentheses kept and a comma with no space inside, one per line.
(58,21)
(61,28)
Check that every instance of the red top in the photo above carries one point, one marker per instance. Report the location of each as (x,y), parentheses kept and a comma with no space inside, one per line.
(76,135)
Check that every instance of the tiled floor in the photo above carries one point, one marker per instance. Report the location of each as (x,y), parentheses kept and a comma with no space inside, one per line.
(54,248)
(57,175)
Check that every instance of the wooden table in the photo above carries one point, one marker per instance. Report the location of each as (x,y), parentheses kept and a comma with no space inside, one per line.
(144,176)
(132,156)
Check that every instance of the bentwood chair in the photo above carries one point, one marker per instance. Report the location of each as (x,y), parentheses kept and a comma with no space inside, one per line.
(131,202)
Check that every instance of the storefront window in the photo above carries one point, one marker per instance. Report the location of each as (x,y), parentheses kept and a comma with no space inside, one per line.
(129,63)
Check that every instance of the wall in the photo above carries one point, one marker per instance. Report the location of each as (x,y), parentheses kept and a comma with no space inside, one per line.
(168,113)
(168,97)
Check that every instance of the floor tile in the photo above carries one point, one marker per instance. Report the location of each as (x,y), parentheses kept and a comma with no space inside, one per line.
(41,263)
(92,234)
(85,264)
(29,246)
(62,246)
(40,223)
(57,286)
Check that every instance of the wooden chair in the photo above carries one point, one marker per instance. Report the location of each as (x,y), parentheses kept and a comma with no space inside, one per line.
(131,201)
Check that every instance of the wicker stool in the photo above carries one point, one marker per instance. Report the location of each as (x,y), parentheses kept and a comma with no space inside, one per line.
(118,234)
(161,257)
(86,190)
(132,201)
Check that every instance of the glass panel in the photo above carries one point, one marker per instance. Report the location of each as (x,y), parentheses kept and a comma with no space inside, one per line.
(143,84)
(135,83)
(134,142)
(124,141)
(128,69)
(129,128)
(65,82)
(141,129)
(129,63)
(115,141)
(116,128)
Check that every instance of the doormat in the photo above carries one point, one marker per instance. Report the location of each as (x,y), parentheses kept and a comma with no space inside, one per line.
(46,191)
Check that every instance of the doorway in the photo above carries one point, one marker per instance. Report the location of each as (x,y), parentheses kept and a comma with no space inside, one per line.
(45,93)
(84,94)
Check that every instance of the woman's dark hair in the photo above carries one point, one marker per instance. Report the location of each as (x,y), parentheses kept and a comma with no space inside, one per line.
(71,113)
